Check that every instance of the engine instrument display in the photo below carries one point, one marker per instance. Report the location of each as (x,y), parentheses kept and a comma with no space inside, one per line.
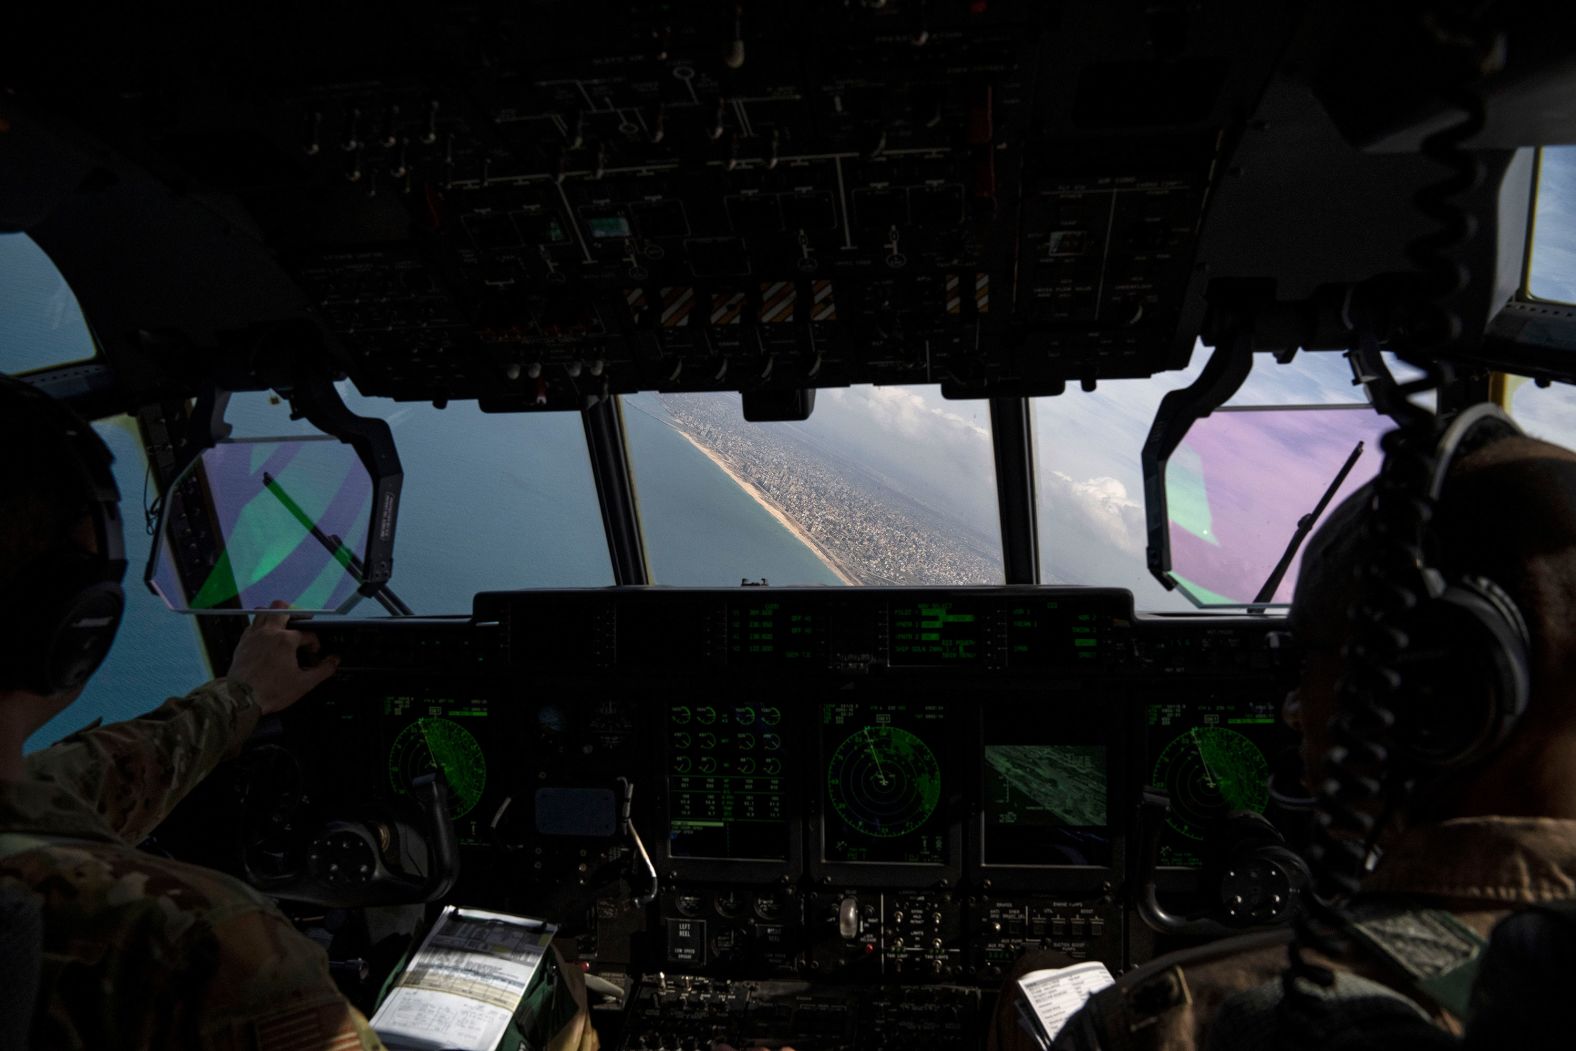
(884,783)
(434,736)
(726,774)
(1210,759)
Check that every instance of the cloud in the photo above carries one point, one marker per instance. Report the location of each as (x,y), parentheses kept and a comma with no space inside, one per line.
(909,412)
(1547,413)
(1106,509)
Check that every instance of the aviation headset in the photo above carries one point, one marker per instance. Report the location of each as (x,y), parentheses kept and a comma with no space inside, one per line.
(1462,665)
(59,616)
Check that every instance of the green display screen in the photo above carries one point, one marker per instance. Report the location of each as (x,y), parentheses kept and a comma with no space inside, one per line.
(1046,804)
(1210,759)
(604,226)
(774,633)
(426,733)
(1050,633)
(935,634)
(884,783)
(727,778)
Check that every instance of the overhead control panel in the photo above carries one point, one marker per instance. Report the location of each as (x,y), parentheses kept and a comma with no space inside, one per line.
(745,202)
(537,204)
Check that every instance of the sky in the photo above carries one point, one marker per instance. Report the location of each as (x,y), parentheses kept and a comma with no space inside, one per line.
(1553,273)
(935,451)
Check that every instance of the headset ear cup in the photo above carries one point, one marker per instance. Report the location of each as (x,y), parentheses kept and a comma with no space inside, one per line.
(1467,675)
(63,608)
(61,625)
(83,635)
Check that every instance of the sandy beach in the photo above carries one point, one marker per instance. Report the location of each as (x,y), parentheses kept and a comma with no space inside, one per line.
(776,512)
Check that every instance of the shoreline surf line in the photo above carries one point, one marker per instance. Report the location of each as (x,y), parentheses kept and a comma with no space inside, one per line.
(783,517)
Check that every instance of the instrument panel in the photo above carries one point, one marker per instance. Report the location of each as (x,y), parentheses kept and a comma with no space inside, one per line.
(865,786)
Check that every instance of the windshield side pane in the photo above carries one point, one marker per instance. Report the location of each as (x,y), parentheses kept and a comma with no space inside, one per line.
(1089,482)
(490,501)
(1551,270)
(882,485)
(40,322)
(1544,412)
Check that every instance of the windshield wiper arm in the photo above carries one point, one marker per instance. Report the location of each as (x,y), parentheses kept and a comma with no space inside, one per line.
(337,548)
(1304,527)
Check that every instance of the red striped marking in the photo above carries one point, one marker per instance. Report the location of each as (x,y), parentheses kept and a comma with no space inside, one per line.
(677,302)
(824,307)
(777,301)
(726,308)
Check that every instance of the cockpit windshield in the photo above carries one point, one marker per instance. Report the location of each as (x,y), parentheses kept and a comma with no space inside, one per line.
(1551,264)
(882,485)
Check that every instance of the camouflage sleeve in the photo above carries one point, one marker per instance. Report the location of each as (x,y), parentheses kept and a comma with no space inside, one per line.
(135,772)
(270,990)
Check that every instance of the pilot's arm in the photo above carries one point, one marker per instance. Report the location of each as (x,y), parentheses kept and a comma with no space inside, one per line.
(135,772)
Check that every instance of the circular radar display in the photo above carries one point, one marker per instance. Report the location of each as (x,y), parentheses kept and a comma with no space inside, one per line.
(884,781)
(433,743)
(1209,772)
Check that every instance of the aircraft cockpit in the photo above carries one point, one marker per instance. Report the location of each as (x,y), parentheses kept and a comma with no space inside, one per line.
(805,496)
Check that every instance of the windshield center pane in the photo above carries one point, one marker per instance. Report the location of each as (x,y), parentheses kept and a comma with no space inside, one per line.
(882,485)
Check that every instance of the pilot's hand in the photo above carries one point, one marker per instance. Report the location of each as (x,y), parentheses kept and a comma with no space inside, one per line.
(266,660)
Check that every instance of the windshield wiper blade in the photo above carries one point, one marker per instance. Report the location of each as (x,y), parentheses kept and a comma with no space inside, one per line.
(337,548)
(1304,527)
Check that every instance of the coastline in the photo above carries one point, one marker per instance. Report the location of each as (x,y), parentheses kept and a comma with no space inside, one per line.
(782,517)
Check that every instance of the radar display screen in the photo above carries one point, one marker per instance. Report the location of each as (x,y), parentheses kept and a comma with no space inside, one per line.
(1045,787)
(727,782)
(936,634)
(438,733)
(1210,759)
(883,783)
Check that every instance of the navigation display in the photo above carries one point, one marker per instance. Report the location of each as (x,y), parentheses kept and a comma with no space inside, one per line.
(1210,758)
(425,733)
(937,633)
(727,782)
(1045,787)
(884,783)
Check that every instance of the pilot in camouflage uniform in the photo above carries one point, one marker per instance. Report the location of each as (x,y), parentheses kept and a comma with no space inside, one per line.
(108,947)
(1477,869)
(146,952)
(1492,839)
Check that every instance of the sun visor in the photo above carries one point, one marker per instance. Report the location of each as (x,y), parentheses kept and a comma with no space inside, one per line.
(256,520)
(1232,492)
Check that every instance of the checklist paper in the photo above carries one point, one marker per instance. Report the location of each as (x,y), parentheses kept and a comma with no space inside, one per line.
(1049,998)
(465,983)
